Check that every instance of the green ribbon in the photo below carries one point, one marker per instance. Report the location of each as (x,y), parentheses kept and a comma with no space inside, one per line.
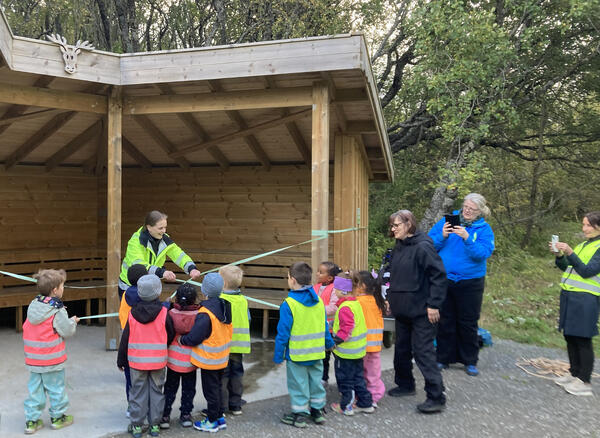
(104,315)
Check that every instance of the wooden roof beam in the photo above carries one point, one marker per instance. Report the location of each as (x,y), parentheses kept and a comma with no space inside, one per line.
(46,98)
(193,125)
(237,118)
(135,153)
(292,127)
(28,116)
(195,146)
(38,138)
(161,140)
(334,95)
(74,145)
(361,127)
(15,111)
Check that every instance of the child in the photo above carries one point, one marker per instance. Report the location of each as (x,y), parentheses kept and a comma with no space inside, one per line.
(147,335)
(46,325)
(350,337)
(324,289)
(129,299)
(210,338)
(373,306)
(183,313)
(302,337)
(232,378)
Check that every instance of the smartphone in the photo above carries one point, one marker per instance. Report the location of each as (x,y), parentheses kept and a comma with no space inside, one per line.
(553,242)
(452,219)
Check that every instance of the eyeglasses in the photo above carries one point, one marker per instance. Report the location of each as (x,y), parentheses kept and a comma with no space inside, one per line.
(465,208)
(393,226)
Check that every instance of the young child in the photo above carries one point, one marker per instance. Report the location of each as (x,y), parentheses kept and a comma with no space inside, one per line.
(302,337)
(46,325)
(144,345)
(350,337)
(129,299)
(324,289)
(368,294)
(179,366)
(233,386)
(210,338)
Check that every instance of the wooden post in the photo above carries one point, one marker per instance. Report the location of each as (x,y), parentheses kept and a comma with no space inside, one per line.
(265,327)
(113,221)
(320,172)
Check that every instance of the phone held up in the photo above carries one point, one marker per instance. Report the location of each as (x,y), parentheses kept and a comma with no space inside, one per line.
(452,219)
(553,242)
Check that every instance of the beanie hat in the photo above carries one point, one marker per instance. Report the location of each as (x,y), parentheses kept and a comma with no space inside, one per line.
(149,287)
(212,285)
(135,272)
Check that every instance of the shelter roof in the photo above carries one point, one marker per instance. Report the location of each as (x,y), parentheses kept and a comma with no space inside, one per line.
(231,105)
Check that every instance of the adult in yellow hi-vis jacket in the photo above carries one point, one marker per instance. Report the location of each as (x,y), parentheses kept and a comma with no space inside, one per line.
(150,246)
(580,303)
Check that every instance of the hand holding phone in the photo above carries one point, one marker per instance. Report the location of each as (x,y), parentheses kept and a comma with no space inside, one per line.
(452,219)
(553,242)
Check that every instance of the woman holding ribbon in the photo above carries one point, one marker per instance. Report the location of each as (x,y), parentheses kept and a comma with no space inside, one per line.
(580,303)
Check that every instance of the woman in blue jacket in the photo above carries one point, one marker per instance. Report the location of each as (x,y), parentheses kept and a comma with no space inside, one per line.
(464,250)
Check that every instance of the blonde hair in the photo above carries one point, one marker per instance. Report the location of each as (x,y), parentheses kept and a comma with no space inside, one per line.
(49,279)
(480,202)
(232,276)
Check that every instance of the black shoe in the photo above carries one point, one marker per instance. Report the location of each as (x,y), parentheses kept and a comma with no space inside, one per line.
(317,415)
(401,392)
(431,407)
(387,339)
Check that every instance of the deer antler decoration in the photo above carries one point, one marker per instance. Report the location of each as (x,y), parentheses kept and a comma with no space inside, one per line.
(70,52)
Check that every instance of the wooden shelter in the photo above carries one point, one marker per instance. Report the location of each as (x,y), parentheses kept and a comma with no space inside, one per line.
(247,148)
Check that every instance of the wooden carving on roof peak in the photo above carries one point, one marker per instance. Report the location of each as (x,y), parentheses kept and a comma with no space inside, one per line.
(70,52)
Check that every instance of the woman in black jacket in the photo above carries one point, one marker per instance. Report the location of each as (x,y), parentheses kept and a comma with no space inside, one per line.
(416,293)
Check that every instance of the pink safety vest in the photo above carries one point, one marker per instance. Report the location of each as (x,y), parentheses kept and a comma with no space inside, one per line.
(179,358)
(147,349)
(43,346)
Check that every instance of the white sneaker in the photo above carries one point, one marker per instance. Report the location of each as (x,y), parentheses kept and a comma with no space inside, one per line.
(578,387)
(368,410)
(564,380)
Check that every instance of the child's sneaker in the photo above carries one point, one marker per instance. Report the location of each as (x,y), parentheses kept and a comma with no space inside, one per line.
(165,423)
(154,430)
(235,411)
(296,419)
(317,415)
(136,431)
(207,426)
(337,408)
(222,423)
(368,410)
(33,426)
(186,420)
(60,422)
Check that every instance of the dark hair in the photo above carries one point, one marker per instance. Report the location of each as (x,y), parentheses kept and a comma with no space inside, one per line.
(406,217)
(135,272)
(49,279)
(153,217)
(186,295)
(332,268)
(593,218)
(365,277)
(301,272)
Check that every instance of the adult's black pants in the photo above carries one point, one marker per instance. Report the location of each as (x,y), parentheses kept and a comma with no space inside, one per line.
(457,339)
(581,357)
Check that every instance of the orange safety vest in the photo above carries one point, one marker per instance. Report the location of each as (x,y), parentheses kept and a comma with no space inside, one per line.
(147,349)
(124,310)
(213,353)
(374,320)
(326,297)
(43,346)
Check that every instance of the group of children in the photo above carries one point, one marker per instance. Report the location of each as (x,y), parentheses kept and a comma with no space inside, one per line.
(163,343)
(342,314)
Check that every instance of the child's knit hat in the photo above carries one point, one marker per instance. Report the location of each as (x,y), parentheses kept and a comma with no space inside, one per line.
(212,285)
(149,287)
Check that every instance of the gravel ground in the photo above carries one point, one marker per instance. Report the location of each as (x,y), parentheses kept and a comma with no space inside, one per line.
(503,401)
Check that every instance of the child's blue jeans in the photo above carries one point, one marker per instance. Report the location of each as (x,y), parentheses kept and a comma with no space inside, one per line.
(305,387)
(39,385)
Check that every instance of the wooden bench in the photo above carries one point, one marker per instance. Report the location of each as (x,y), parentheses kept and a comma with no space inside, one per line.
(84,267)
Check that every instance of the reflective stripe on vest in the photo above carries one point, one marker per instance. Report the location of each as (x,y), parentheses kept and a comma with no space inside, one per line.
(356,345)
(572,281)
(43,346)
(147,348)
(213,353)
(179,358)
(307,337)
(240,341)
(374,321)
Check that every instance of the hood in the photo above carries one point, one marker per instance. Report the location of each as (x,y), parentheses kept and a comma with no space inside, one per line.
(131,296)
(418,237)
(38,311)
(306,296)
(146,311)
(220,308)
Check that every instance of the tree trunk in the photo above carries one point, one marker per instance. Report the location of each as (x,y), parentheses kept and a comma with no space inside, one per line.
(221,21)
(446,192)
(105,23)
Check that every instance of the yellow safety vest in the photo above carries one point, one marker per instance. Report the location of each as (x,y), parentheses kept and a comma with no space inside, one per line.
(240,342)
(137,253)
(307,337)
(356,345)
(572,281)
